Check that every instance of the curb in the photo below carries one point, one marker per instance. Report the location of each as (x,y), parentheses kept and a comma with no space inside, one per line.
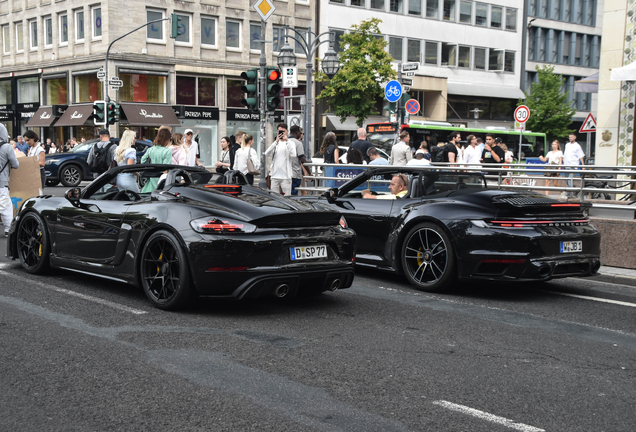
(613,278)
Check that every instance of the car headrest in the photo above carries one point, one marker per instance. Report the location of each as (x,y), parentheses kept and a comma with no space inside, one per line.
(177,177)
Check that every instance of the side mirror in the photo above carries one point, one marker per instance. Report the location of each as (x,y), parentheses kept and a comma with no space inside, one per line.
(73,196)
(331,195)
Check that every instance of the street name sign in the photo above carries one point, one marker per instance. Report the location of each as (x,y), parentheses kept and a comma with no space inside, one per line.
(393,91)
(264,8)
(101,75)
(290,77)
(522,114)
(407,67)
(115,83)
(407,81)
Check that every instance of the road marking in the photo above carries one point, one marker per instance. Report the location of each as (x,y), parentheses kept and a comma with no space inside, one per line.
(487,416)
(602,300)
(76,294)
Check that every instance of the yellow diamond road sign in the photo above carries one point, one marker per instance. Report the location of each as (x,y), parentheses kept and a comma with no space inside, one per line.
(265,8)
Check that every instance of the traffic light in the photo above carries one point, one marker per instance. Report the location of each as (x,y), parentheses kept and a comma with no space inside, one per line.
(175,20)
(273,88)
(391,107)
(251,88)
(402,107)
(99,113)
(113,111)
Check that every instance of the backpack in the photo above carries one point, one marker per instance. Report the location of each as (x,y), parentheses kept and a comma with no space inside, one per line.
(437,154)
(101,162)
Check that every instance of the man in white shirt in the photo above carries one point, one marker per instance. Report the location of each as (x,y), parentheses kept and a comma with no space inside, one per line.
(419,159)
(401,152)
(192,147)
(573,155)
(283,151)
(471,152)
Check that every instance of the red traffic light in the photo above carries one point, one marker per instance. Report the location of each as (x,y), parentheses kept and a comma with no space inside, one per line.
(274,75)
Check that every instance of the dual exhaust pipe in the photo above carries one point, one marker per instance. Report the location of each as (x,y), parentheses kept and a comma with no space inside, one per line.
(282,290)
(546,270)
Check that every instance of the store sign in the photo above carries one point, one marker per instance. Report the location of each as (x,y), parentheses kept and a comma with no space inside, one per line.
(152,115)
(244,115)
(59,109)
(28,107)
(26,115)
(193,112)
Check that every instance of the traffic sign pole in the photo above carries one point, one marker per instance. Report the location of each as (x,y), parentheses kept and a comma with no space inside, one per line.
(522,114)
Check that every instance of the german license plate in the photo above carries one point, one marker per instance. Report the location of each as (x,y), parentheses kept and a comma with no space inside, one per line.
(573,246)
(308,252)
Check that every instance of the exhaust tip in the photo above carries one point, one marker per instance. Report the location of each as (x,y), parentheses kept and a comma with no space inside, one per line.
(595,267)
(335,284)
(544,271)
(281,290)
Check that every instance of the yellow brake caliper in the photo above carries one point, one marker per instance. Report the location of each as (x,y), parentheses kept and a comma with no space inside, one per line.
(40,241)
(160,258)
(420,257)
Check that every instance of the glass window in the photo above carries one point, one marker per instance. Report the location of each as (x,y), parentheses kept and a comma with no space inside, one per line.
(511,19)
(6,43)
(544,9)
(33,28)
(414,51)
(337,1)
(466,12)
(480,58)
(449,10)
(5,92)
(48,35)
(234,93)
(154,31)
(338,40)
(278,39)
(590,12)
(566,47)
(255,36)
(19,36)
(554,50)
(532,8)
(481,14)
(449,54)
(358,3)
(87,88)
(97,23)
(432,9)
(56,91)
(430,55)
(495,59)
(63,29)
(29,90)
(377,4)
(143,88)
(299,49)
(509,61)
(395,48)
(233,34)
(79,26)
(184,29)
(567,10)
(186,90)
(464,57)
(395,6)
(208,31)
(556,10)
(415,7)
(579,12)
(207,91)
(495,16)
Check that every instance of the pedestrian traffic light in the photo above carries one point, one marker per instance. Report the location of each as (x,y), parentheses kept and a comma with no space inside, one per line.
(113,111)
(177,29)
(99,113)
(391,107)
(251,88)
(273,88)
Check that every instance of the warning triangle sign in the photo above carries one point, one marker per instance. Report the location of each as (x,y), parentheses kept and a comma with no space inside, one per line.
(589,125)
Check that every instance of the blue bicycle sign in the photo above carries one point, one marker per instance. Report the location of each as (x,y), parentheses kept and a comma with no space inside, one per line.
(393,91)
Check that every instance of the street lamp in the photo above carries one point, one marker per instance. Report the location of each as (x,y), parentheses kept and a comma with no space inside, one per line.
(330,66)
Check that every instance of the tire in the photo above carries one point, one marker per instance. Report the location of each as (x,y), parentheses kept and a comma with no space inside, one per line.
(33,244)
(71,175)
(428,258)
(52,183)
(164,272)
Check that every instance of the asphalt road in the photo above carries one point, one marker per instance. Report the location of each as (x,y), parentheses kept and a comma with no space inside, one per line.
(86,354)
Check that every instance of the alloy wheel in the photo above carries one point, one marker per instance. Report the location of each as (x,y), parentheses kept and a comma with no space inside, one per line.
(426,256)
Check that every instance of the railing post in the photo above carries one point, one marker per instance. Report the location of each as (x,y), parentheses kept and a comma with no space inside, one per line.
(581,198)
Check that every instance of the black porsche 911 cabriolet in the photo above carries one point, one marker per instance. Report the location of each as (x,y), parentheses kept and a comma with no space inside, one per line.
(197,233)
(451,225)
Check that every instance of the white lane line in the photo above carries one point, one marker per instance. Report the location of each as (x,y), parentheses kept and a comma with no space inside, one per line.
(602,300)
(79,295)
(487,416)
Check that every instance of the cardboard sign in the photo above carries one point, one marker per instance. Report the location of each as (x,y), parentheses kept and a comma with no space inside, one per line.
(24,182)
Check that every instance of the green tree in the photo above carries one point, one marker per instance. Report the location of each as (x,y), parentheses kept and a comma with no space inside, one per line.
(366,64)
(550,111)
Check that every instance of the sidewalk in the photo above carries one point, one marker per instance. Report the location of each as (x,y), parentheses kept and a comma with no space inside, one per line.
(615,275)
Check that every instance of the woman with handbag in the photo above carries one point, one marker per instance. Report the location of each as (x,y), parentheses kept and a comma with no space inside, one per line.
(246,159)
(223,165)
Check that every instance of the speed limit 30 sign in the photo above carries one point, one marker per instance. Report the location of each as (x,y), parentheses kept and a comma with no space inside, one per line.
(522,114)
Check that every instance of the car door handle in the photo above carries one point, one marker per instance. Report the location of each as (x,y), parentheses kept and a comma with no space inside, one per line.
(377,218)
(111,219)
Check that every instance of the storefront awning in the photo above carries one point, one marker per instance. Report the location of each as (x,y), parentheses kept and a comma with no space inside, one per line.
(482,90)
(587,85)
(150,115)
(43,117)
(625,73)
(75,115)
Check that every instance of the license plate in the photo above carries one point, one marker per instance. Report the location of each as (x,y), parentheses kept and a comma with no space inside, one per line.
(308,252)
(573,246)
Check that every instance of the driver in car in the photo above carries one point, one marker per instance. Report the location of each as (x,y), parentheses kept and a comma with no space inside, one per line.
(398,188)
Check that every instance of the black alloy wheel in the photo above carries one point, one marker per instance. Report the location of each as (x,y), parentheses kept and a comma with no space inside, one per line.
(33,244)
(428,259)
(165,277)
(71,176)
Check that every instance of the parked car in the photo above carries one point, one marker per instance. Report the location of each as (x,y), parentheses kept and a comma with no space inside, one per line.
(451,225)
(196,234)
(70,168)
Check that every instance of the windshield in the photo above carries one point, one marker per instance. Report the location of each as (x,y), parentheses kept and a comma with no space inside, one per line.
(81,148)
(382,140)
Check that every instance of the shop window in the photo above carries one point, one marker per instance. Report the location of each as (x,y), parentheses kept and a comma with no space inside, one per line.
(154,31)
(414,50)
(255,37)
(466,12)
(495,16)
(234,93)
(97,23)
(207,91)
(480,58)
(5,92)
(511,19)
(28,90)
(430,53)
(56,91)
(208,31)
(186,90)
(143,88)
(481,14)
(449,10)
(233,34)
(79,26)
(63,24)
(432,9)
(185,30)
(395,48)
(33,31)
(464,57)
(48,32)
(87,88)
(19,36)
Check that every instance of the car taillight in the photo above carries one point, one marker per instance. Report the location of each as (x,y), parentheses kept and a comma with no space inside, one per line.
(210,225)
(343,222)
(537,223)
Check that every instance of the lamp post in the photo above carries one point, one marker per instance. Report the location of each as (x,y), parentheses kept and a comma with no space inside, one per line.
(330,66)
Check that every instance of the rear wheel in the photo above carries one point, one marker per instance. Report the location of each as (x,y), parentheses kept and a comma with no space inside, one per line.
(165,276)
(71,175)
(428,259)
(33,244)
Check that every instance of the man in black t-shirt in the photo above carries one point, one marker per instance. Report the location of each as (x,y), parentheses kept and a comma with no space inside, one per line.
(450,149)
(492,154)
(362,144)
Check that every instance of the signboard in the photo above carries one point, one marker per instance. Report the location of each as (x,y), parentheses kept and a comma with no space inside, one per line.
(589,125)
(393,91)
(264,8)
(391,128)
(409,74)
(290,77)
(115,83)
(522,114)
(101,75)
(407,67)
(412,106)
(407,82)
(406,88)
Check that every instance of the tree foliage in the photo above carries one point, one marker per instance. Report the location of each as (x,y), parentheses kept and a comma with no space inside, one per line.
(550,111)
(365,64)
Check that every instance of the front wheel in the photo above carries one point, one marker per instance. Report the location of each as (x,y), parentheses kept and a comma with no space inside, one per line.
(33,244)
(71,176)
(428,258)
(165,277)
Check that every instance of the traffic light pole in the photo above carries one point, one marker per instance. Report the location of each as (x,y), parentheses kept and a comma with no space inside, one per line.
(263,108)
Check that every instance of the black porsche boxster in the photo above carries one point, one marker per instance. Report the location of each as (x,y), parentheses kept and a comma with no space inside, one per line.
(196,233)
(452,225)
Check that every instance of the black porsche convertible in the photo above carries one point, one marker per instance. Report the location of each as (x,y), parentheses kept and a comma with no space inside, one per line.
(450,224)
(195,233)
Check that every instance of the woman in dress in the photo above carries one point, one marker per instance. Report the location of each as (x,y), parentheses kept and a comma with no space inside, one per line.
(179,153)
(554,158)
(224,162)
(329,149)
(159,153)
(126,154)
(245,153)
